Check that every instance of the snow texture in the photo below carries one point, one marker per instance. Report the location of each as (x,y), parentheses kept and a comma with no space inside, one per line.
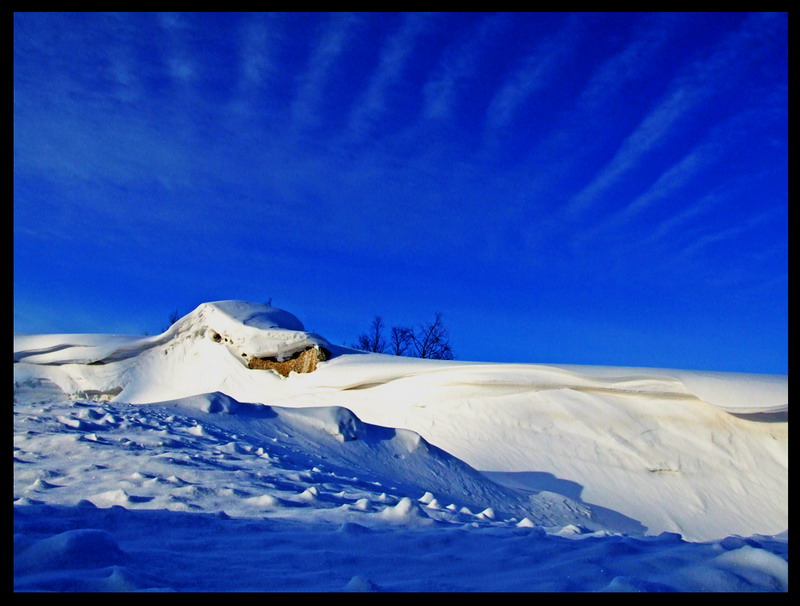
(165,464)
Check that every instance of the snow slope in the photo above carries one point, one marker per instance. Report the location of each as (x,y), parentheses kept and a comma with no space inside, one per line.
(687,471)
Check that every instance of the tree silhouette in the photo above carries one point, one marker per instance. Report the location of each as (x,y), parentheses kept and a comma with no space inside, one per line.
(373,340)
(400,340)
(428,340)
(431,340)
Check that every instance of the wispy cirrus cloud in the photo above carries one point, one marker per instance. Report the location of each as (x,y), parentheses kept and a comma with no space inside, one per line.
(311,84)
(457,65)
(371,105)
(385,143)
(717,236)
(683,231)
(533,74)
(256,51)
(178,57)
(578,135)
(703,156)
(124,70)
(692,87)
(633,63)
(656,125)
(257,47)
(703,206)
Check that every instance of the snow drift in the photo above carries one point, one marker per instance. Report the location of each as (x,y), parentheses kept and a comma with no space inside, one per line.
(246,330)
(384,440)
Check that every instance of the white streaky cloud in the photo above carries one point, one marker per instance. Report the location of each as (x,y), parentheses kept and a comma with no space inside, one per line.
(648,39)
(759,32)
(312,83)
(258,37)
(650,131)
(694,209)
(669,182)
(691,88)
(257,44)
(532,75)
(697,208)
(259,41)
(393,59)
(684,234)
(181,66)
(709,152)
(457,65)
(570,142)
(125,70)
(711,238)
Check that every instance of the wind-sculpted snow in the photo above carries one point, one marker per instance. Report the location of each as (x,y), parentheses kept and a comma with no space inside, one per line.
(335,436)
(242,328)
(386,473)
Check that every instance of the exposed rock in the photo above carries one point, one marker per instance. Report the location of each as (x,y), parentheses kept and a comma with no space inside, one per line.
(302,361)
(98,395)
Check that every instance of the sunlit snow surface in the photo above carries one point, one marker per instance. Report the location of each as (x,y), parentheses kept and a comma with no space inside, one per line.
(164,463)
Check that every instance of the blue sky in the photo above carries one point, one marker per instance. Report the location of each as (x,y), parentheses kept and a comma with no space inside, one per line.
(585,188)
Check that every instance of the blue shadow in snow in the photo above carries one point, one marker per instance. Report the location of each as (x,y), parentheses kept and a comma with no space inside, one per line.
(538,481)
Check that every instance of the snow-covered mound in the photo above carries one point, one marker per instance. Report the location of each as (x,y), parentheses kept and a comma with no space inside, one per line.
(183,422)
(334,437)
(207,350)
(380,467)
(244,329)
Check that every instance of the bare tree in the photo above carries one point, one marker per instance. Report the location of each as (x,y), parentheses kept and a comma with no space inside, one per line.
(400,340)
(432,341)
(427,341)
(373,340)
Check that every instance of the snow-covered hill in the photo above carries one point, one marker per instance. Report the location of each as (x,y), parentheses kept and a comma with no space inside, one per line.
(161,427)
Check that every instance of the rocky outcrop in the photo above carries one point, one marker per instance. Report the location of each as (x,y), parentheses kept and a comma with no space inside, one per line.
(301,362)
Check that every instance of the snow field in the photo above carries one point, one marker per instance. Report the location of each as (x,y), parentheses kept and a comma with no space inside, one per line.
(376,473)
